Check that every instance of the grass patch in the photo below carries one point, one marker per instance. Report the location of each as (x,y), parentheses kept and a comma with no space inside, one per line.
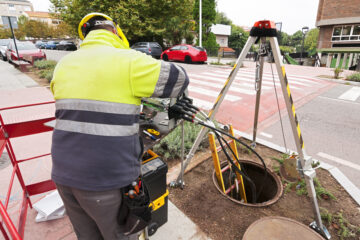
(337,221)
(217,63)
(300,188)
(46,68)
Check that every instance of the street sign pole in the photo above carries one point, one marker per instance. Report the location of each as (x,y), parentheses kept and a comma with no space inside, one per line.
(12,31)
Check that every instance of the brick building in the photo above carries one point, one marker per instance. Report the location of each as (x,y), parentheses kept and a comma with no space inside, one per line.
(339,36)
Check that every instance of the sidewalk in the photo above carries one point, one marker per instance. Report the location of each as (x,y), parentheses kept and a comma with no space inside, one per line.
(16,88)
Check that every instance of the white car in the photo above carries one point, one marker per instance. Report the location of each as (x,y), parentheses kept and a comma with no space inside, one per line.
(3,47)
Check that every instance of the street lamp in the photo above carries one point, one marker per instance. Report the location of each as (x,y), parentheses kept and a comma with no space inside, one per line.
(304,31)
(279,27)
(200,23)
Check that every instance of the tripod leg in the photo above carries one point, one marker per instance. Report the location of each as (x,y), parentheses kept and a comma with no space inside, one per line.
(305,167)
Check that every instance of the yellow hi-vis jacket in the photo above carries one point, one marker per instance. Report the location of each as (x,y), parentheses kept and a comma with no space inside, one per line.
(98,90)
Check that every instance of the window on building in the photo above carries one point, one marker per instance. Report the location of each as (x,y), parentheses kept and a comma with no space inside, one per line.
(27,8)
(12,7)
(346,33)
(356,30)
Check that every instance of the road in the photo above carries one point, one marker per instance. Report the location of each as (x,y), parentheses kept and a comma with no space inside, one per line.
(328,111)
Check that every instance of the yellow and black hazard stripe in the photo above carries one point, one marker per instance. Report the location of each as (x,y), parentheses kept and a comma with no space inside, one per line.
(222,91)
(292,107)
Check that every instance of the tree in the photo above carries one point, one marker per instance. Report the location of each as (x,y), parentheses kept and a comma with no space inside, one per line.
(221,18)
(140,20)
(208,19)
(296,40)
(238,37)
(311,40)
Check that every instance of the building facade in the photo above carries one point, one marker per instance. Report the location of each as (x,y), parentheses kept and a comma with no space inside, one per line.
(44,17)
(339,35)
(14,8)
(222,33)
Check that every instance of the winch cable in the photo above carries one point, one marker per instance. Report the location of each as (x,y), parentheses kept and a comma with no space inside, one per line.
(243,169)
(251,183)
(187,115)
(278,105)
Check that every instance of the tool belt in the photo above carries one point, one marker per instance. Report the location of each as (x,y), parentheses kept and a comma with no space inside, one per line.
(135,213)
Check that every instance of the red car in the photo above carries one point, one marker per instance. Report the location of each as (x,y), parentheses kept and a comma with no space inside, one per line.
(26,51)
(185,53)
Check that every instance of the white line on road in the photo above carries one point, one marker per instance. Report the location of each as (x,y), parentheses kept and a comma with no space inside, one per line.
(339,160)
(352,94)
(338,100)
(219,87)
(202,104)
(211,93)
(206,80)
(266,135)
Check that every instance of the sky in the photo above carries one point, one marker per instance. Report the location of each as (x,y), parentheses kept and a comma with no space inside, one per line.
(294,14)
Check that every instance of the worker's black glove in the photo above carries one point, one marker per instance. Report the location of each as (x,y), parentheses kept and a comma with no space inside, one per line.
(175,111)
(183,109)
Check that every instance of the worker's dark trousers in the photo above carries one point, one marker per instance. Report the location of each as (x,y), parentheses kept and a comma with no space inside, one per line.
(93,214)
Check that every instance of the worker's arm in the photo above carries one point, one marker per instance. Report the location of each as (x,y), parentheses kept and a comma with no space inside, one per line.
(154,78)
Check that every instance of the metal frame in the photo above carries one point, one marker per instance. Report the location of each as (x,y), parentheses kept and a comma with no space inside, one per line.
(7,132)
(304,162)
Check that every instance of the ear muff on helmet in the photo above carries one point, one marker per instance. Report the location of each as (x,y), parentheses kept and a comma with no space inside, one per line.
(93,19)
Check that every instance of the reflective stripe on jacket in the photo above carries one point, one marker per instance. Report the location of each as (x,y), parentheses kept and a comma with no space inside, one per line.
(98,90)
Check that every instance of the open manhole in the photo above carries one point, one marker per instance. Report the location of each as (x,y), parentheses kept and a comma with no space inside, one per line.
(271,186)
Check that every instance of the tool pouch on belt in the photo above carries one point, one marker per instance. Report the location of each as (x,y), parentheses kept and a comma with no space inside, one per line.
(135,213)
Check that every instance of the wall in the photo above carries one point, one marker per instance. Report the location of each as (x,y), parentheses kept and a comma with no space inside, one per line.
(330,9)
(222,40)
(19,8)
(325,37)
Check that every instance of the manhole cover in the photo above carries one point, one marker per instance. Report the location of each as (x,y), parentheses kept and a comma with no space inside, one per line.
(4,160)
(271,228)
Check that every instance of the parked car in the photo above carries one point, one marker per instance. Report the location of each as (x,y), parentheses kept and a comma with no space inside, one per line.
(66,45)
(185,53)
(24,49)
(3,47)
(151,48)
(51,45)
(40,44)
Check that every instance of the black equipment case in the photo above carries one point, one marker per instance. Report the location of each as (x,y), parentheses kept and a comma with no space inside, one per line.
(154,172)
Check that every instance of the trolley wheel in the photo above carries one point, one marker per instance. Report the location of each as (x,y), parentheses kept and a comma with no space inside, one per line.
(152,228)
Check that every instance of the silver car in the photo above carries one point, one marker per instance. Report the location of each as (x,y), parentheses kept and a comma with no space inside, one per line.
(3,47)
(151,48)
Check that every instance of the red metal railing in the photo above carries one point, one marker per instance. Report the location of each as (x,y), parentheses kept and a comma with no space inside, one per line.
(7,132)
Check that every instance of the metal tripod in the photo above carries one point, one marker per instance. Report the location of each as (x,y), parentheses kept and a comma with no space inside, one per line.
(304,161)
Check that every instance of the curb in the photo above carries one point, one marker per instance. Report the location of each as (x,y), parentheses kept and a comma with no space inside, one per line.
(353,191)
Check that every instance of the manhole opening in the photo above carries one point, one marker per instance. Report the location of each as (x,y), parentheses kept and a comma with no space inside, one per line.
(271,191)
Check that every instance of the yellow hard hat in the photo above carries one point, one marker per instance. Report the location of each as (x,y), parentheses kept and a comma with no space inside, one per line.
(85,24)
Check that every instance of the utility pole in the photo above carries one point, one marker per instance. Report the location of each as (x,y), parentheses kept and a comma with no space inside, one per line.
(200,23)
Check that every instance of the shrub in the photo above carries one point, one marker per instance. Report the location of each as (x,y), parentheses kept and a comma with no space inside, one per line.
(170,146)
(45,64)
(354,77)
(337,72)
(47,74)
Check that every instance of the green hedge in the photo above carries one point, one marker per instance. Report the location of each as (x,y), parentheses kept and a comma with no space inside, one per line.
(354,77)
(45,64)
